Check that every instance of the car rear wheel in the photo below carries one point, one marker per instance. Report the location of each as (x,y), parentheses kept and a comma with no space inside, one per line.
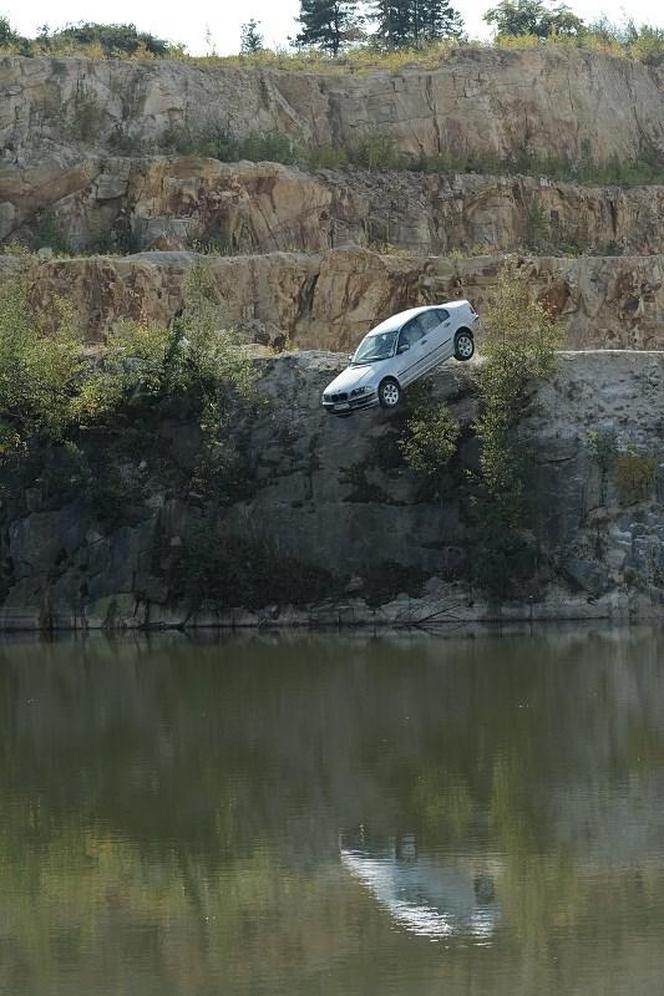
(389,393)
(464,345)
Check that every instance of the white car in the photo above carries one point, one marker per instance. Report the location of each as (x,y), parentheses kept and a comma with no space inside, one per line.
(398,352)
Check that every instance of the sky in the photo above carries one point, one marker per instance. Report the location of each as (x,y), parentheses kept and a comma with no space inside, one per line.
(219,20)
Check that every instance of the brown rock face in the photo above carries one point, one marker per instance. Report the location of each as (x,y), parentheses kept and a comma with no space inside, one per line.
(179,203)
(330,300)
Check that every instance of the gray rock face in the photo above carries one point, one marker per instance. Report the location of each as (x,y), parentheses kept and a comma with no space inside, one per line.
(473,103)
(334,497)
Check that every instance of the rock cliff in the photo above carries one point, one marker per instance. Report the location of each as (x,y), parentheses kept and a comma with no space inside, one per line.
(489,102)
(311,519)
(170,202)
(318,519)
(329,300)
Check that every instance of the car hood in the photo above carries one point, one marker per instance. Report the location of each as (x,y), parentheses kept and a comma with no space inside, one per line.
(351,377)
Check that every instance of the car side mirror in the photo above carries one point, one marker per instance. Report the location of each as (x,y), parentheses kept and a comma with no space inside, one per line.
(402,349)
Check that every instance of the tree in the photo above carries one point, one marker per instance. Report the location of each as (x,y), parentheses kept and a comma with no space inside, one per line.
(533,17)
(252,39)
(7,34)
(409,23)
(394,23)
(437,19)
(328,24)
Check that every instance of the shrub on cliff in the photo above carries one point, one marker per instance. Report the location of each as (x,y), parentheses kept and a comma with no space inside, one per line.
(519,344)
(41,363)
(50,387)
(431,440)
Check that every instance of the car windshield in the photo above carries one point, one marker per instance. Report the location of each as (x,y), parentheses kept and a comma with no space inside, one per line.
(375,347)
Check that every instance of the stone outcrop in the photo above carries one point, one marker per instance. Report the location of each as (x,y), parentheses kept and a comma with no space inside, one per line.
(177,203)
(334,496)
(479,101)
(330,300)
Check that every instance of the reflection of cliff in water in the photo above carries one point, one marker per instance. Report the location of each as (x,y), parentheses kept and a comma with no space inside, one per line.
(424,894)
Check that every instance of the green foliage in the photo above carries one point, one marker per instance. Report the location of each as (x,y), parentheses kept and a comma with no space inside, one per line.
(377,151)
(328,24)
(114,40)
(327,157)
(602,447)
(50,388)
(430,441)
(634,475)
(413,23)
(40,367)
(251,40)
(520,339)
(216,141)
(7,34)
(513,18)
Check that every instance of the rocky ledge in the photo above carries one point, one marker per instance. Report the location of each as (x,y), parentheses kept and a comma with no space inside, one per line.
(329,300)
(315,520)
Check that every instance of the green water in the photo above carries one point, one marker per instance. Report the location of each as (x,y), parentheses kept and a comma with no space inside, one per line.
(333,815)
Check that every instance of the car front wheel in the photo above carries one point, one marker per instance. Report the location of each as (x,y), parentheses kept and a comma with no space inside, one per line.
(464,345)
(389,393)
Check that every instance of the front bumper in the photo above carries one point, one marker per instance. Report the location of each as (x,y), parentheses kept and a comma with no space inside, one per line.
(356,404)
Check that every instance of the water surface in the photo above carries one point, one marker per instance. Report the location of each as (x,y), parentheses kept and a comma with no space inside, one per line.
(333,815)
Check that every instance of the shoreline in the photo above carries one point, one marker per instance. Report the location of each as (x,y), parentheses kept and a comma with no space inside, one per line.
(454,609)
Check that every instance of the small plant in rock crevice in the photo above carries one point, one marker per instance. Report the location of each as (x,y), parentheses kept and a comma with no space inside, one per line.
(634,475)
(430,440)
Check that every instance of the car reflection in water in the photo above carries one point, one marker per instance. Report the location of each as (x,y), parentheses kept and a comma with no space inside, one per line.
(431,898)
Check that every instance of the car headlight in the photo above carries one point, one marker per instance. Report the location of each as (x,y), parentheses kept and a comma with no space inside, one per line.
(358,390)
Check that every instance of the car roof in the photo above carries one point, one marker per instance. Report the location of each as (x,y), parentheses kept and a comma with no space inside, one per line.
(395,322)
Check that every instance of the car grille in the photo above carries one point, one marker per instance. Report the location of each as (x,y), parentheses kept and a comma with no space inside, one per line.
(337,397)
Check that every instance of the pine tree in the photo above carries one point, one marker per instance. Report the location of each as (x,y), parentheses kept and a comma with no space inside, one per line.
(408,23)
(252,40)
(328,24)
(438,19)
(394,23)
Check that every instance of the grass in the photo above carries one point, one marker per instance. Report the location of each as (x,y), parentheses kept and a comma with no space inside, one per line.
(643,44)
(378,151)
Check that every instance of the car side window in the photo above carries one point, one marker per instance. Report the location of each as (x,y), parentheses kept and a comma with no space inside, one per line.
(441,315)
(430,320)
(411,333)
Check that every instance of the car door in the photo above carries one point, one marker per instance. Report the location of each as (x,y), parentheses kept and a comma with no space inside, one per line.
(438,336)
(412,351)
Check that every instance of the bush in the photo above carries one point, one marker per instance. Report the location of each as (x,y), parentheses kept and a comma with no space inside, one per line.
(216,141)
(431,440)
(520,339)
(634,475)
(41,365)
(50,388)
(377,151)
